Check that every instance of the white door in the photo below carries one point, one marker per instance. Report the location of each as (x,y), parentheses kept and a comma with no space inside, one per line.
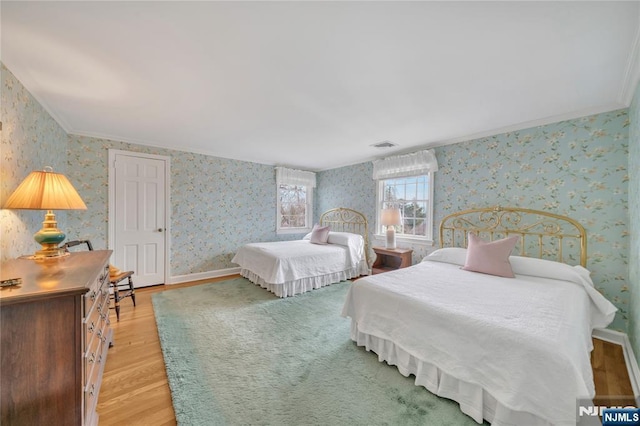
(137,207)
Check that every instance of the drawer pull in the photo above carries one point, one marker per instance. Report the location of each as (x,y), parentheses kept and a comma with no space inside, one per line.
(93,295)
(92,390)
(100,333)
(92,327)
(92,358)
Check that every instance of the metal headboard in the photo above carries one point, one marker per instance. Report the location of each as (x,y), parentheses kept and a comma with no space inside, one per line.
(343,219)
(542,234)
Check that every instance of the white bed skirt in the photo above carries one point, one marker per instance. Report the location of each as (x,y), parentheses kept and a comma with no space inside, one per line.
(291,288)
(474,400)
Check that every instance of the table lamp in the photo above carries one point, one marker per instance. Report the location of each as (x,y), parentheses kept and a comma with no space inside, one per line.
(389,218)
(46,190)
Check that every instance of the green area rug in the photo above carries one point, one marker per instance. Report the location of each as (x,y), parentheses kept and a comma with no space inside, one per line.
(238,355)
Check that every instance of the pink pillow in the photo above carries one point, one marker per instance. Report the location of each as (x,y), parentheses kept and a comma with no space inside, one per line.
(319,234)
(490,258)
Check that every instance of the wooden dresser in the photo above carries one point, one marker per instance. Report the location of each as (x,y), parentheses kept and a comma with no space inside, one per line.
(54,337)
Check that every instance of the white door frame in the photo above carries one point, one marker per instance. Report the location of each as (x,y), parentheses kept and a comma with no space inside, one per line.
(167,205)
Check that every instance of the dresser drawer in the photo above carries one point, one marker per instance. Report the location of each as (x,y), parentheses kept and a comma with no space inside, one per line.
(54,375)
(91,326)
(91,357)
(91,390)
(94,373)
(97,313)
(98,336)
(96,289)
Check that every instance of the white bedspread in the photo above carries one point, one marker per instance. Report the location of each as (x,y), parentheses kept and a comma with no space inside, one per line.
(292,267)
(524,342)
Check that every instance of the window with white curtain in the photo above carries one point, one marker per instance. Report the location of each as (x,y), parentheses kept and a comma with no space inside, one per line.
(294,200)
(406,182)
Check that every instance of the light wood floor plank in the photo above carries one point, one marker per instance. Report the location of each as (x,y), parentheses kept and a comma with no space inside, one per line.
(135,389)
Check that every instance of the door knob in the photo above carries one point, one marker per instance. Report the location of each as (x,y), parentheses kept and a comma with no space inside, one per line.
(159,229)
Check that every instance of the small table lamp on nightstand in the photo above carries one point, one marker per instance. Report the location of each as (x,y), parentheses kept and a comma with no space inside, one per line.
(390,218)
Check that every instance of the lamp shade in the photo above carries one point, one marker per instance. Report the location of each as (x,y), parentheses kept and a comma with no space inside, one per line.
(45,190)
(390,217)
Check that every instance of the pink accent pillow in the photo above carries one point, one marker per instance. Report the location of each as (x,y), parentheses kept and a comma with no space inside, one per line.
(319,234)
(490,258)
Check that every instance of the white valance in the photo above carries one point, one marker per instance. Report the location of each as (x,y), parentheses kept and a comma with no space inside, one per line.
(295,177)
(417,163)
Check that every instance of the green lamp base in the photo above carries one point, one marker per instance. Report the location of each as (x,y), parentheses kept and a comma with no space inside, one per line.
(49,237)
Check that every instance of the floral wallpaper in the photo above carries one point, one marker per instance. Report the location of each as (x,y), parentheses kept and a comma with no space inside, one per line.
(217,204)
(31,140)
(576,168)
(634,224)
(360,196)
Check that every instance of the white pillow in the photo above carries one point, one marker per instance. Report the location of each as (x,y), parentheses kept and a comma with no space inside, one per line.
(520,265)
(453,255)
(353,242)
(534,267)
(345,239)
(341,238)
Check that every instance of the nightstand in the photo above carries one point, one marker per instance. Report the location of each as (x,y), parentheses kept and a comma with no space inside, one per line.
(390,259)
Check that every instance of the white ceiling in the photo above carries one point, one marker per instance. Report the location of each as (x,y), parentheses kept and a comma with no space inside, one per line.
(312,85)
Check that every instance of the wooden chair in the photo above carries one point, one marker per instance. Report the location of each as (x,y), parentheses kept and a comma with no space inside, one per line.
(117,282)
(120,287)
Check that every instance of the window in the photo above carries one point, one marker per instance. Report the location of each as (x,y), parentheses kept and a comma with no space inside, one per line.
(294,200)
(294,208)
(406,182)
(413,196)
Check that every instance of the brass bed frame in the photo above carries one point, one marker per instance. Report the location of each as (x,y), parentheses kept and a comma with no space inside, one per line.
(542,234)
(342,219)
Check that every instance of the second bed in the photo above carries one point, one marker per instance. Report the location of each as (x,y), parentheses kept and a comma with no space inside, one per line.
(287,268)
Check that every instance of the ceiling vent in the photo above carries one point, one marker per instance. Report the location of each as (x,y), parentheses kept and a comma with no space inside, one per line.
(384,144)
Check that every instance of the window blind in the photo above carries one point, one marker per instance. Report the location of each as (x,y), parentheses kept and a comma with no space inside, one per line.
(295,177)
(417,163)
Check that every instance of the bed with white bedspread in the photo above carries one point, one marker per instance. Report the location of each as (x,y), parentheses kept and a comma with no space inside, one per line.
(287,268)
(512,351)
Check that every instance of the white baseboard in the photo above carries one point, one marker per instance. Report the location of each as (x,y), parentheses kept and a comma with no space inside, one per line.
(177,279)
(622,339)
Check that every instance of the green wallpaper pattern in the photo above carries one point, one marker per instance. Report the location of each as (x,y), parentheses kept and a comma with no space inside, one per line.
(579,167)
(576,168)
(217,204)
(31,140)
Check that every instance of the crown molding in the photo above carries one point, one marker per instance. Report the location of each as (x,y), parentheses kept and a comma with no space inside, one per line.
(493,132)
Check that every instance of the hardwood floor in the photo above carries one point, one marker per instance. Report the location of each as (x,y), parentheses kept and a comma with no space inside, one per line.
(135,390)
(610,376)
